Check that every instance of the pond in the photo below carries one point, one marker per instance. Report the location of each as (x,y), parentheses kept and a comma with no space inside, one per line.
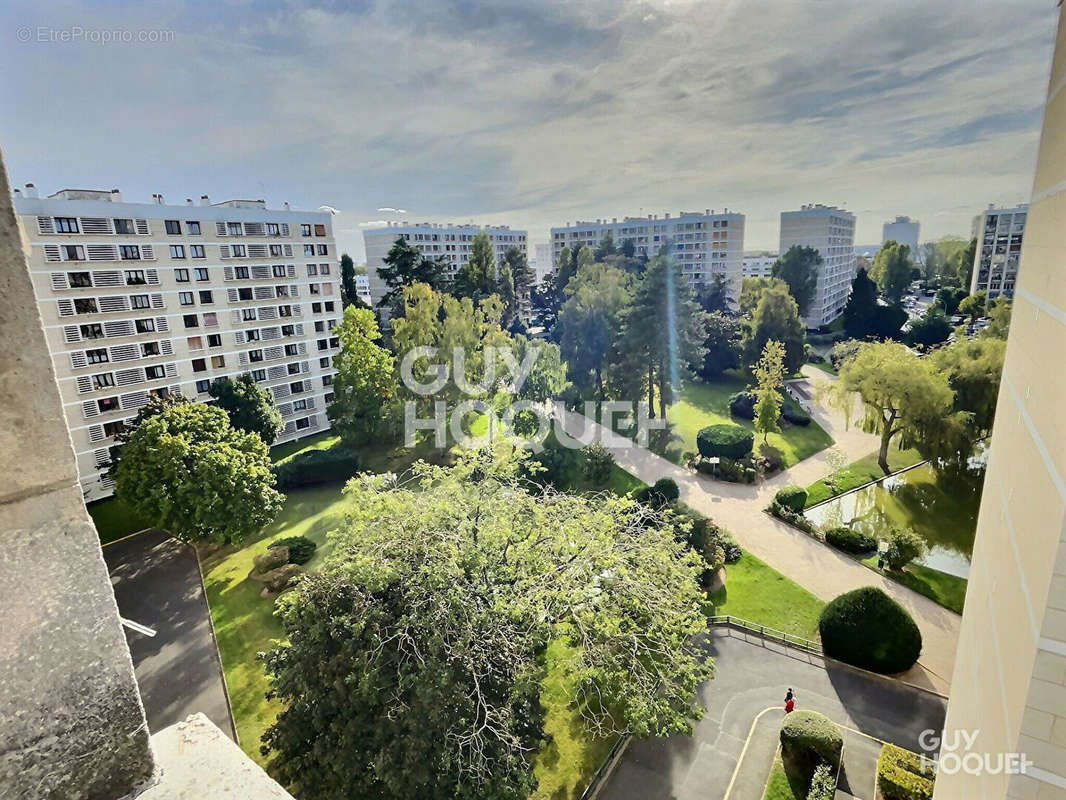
(939,506)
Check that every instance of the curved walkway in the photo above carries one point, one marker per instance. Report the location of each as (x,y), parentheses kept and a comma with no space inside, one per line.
(820,569)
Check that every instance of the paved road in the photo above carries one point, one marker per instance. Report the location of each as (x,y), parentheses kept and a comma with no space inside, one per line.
(822,570)
(745,697)
(157,583)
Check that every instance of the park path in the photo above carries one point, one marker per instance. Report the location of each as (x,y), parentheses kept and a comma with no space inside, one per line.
(820,569)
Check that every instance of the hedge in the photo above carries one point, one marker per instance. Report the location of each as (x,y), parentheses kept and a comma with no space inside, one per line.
(317,466)
(300,548)
(849,540)
(663,493)
(792,497)
(742,404)
(795,415)
(902,776)
(725,441)
(811,736)
(867,628)
(793,518)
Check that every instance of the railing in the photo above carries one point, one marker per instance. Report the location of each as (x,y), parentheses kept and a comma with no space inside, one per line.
(784,637)
(605,768)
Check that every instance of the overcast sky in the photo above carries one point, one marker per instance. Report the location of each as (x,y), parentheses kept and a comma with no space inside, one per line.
(532,114)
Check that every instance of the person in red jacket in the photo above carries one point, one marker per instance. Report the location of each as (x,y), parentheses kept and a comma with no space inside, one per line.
(790,701)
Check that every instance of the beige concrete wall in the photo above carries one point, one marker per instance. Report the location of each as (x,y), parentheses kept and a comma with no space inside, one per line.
(1010,674)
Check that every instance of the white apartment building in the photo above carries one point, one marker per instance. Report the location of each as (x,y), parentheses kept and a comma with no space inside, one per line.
(140,299)
(999,233)
(903,230)
(830,231)
(435,240)
(704,244)
(759,265)
(362,287)
(542,263)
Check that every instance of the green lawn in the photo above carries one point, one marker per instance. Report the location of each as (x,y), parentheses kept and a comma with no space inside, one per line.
(785,784)
(859,473)
(703,404)
(825,366)
(948,590)
(755,591)
(319,441)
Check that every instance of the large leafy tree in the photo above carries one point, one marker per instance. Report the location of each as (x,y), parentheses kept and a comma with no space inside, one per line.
(480,276)
(751,292)
(413,661)
(775,318)
(349,291)
(365,383)
(999,314)
(716,296)
(189,471)
(974,306)
(960,264)
(903,397)
(769,376)
(522,278)
(799,269)
(250,406)
(721,344)
(973,368)
(861,306)
(933,327)
(590,322)
(405,265)
(547,300)
(892,270)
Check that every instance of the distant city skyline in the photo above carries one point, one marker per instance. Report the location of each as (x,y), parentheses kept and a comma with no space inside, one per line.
(534,114)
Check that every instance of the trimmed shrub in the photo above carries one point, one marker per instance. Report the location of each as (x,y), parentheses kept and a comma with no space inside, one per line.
(273,558)
(850,541)
(663,493)
(793,518)
(867,628)
(598,462)
(796,416)
(812,737)
(901,775)
(300,548)
(725,441)
(823,784)
(792,497)
(312,467)
(904,545)
(557,461)
(742,404)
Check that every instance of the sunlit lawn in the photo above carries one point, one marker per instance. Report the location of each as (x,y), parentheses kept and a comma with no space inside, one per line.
(758,593)
(783,784)
(859,473)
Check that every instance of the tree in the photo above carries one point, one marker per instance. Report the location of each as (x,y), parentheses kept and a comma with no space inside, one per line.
(412,662)
(948,298)
(605,248)
(590,322)
(250,406)
(479,278)
(798,268)
(776,317)
(547,300)
(349,291)
(365,382)
(904,545)
(974,305)
(189,471)
(999,314)
(404,265)
(722,345)
(861,306)
(960,264)
(752,290)
(933,327)
(715,296)
(769,375)
(973,368)
(903,396)
(521,280)
(892,270)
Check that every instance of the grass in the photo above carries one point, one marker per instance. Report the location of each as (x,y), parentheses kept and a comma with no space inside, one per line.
(859,473)
(940,587)
(825,366)
(755,591)
(319,441)
(785,784)
(703,404)
(114,519)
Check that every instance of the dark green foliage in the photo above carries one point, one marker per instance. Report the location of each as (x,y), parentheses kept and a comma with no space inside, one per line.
(792,497)
(722,342)
(775,317)
(598,462)
(933,327)
(861,306)
(823,783)
(843,352)
(742,404)
(300,548)
(793,518)
(850,541)
(799,269)
(866,628)
(886,322)
(904,545)
(811,737)
(948,298)
(349,291)
(902,775)
(335,465)
(662,494)
(404,265)
(725,441)
(796,416)
(556,461)
(712,544)
(250,406)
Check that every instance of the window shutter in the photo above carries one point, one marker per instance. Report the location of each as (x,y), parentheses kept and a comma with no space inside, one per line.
(134,400)
(78,360)
(305,366)
(296,311)
(288,254)
(44,225)
(152,276)
(85,384)
(238,337)
(257,251)
(171,370)
(110,277)
(95,225)
(161,324)
(242,358)
(124,352)
(233,296)
(59,280)
(234,316)
(157,301)
(110,304)
(101,252)
(260,271)
(310,402)
(223,251)
(220,229)
(127,377)
(285,229)
(101,457)
(253,229)
(166,348)
(51,252)
(227,273)
(96,433)
(300,329)
(147,253)
(66,307)
(71,334)
(294,291)
(118,327)
(89,409)
(302,348)
(143,229)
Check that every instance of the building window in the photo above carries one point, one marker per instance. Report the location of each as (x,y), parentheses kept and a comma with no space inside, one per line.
(248,314)
(124,226)
(303,424)
(211,319)
(177,251)
(113,429)
(79,280)
(327,380)
(199,365)
(284,311)
(129,252)
(299,405)
(85,305)
(66,225)
(214,340)
(202,387)
(323,269)
(107,404)
(139,301)
(275,250)
(206,297)
(316,308)
(323,363)
(312,269)
(235,229)
(145,325)
(320,230)
(323,249)
(73,252)
(309,249)
(185,298)
(201,274)
(293,369)
(149,349)
(192,228)
(288,330)
(291,350)
(197,251)
(195,343)
(328,397)
(155,372)
(98,356)
(273,229)
(191,321)
(320,326)
(237,250)
(251,335)
(305,230)
(334,342)
(314,289)
(329,305)
(297,387)
(278,270)
(181,275)
(173,227)
(135,277)
(255,356)
(218,362)
(240,272)
(244,293)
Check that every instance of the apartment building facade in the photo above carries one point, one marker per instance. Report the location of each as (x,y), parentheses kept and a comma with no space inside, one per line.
(830,231)
(141,299)
(903,230)
(704,244)
(999,233)
(451,243)
(759,265)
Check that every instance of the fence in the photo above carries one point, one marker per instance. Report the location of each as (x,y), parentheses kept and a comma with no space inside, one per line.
(784,637)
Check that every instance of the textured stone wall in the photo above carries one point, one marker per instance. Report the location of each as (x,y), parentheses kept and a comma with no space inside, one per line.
(71,721)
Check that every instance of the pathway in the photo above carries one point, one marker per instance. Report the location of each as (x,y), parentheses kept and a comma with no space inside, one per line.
(820,569)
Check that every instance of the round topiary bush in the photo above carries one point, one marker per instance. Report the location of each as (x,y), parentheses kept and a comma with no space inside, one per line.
(725,441)
(867,628)
(792,497)
(812,737)
(300,548)
(663,493)
(742,404)
(850,541)
(795,416)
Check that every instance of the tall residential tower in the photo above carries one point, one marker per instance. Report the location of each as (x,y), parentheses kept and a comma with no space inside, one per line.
(830,231)
(999,233)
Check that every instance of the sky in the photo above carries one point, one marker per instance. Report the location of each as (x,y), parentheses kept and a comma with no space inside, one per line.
(533,114)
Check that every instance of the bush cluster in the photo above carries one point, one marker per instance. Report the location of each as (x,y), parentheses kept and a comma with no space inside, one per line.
(812,737)
(725,441)
(904,545)
(662,494)
(867,628)
(850,541)
(317,466)
(793,518)
(901,775)
(796,416)
(300,548)
(597,464)
(823,784)
(792,497)
(742,405)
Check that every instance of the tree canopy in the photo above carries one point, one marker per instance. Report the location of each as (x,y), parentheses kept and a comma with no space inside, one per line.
(798,268)
(892,270)
(405,265)
(412,662)
(933,327)
(365,382)
(349,291)
(250,406)
(861,306)
(776,317)
(590,322)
